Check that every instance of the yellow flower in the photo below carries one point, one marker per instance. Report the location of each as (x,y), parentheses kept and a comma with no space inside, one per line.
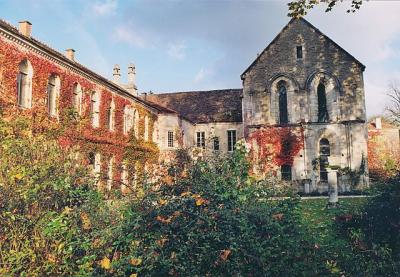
(136,262)
(200,201)
(105,263)
(162,202)
(133,275)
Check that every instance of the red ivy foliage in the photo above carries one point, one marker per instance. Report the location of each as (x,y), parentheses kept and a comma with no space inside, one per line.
(70,130)
(272,147)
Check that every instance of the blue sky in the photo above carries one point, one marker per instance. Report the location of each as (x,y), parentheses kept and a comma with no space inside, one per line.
(204,44)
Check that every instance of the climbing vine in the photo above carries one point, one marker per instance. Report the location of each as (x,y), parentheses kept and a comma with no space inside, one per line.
(70,128)
(272,147)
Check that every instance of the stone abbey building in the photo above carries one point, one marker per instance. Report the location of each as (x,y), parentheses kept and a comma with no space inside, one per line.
(301,110)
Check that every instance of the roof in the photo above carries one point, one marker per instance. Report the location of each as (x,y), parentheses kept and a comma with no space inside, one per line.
(44,47)
(223,105)
(311,26)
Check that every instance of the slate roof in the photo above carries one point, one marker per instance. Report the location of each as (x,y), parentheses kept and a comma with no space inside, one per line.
(223,105)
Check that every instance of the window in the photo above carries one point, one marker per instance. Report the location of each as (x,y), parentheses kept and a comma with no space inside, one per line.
(111,116)
(324,153)
(128,119)
(24,85)
(299,52)
(53,90)
(77,98)
(95,109)
(124,177)
(146,128)
(170,139)
(201,140)
(323,115)
(136,123)
(231,140)
(95,164)
(283,109)
(286,172)
(216,143)
(110,173)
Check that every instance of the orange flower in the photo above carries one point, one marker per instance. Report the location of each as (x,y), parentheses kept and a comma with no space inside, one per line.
(225,254)
(135,261)
(277,216)
(164,219)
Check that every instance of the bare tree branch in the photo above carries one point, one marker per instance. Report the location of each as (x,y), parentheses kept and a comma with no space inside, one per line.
(394,106)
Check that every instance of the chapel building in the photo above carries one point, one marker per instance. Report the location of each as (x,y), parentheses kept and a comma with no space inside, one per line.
(302,103)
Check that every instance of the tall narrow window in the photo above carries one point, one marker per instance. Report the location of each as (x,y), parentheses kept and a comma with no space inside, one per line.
(299,52)
(201,140)
(286,172)
(124,177)
(146,128)
(216,143)
(231,140)
(95,164)
(283,109)
(95,109)
(77,98)
(24,85)
(110,173)
(136,123)
(323,115)
(111,116)
(324,153)
(170,139)
(128,119)
(53,90)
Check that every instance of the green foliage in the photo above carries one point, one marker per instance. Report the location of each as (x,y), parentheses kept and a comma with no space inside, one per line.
(217,222)
(299,8)
(49,214)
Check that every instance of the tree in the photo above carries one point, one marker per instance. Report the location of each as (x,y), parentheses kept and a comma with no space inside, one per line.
(299,8)
(394,107)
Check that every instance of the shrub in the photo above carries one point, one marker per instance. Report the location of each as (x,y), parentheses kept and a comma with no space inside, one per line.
(50,217)
(216,221)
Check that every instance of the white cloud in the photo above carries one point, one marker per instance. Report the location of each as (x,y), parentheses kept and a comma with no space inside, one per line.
(177,50)
(202,74)
(105,8)
(130,36)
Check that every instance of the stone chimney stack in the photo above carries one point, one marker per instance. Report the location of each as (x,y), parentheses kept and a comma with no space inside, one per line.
(25,28)
(117,74)
(70,54)
(378,123)
(131,75)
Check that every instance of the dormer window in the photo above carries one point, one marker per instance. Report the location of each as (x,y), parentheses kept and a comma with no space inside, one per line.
(299,51)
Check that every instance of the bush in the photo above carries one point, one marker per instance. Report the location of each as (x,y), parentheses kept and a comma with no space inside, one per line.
(216,221)
(50,217)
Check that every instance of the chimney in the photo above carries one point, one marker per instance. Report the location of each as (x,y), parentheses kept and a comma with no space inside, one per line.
(70,54)
(116,74)
(25,28)
(131,75)
(378,123)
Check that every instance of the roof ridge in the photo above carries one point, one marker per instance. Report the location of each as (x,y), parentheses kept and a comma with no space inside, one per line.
(197,91)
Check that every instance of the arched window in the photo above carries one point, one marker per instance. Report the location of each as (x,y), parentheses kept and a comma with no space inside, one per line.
(95,164)
(136,123)
(146,128)
(323,115)
(128,119)
(324,153)
(283,109)
(95,109)
(53,90)
(24,84)
(111,116)
(124,178)
(77,98)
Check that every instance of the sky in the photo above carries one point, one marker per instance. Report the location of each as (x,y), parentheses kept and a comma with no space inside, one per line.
(183,45)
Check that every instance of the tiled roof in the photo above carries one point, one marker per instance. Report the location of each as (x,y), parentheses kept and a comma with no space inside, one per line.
(203,106)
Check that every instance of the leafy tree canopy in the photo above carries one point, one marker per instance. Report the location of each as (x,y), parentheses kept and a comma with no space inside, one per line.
(299,8)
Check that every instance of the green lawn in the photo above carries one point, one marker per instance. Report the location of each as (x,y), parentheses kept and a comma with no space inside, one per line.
(319,225)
